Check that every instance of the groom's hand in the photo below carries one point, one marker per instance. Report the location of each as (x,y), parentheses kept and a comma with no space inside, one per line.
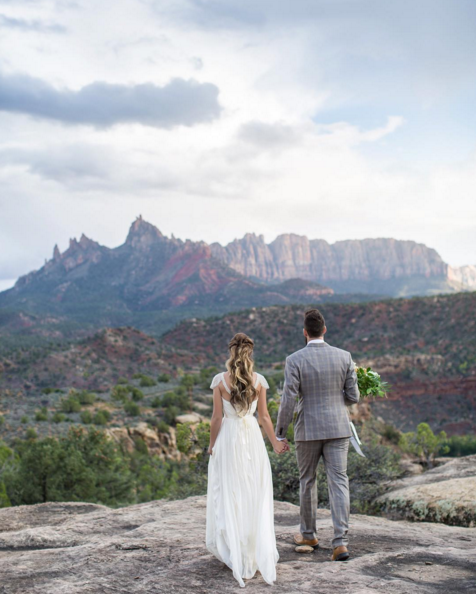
(285,446)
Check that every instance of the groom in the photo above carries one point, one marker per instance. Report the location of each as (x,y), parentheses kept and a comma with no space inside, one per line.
(323,380)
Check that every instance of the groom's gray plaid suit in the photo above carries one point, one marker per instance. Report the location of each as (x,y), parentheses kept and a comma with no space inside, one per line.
(322,379)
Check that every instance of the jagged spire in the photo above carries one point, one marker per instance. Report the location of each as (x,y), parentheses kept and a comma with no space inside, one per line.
(142,233)
(56,253)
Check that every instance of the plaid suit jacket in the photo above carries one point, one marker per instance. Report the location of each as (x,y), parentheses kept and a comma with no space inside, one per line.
(322,380)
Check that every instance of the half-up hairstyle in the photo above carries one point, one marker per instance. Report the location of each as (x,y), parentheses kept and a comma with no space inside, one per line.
(240,366)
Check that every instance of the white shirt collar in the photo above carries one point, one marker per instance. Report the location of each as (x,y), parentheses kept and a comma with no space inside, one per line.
(316,340)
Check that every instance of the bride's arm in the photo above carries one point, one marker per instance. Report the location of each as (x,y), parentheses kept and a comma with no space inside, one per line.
(217,418)
(266,422)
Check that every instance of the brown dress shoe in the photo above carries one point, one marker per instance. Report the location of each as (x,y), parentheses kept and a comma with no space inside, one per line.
(300,540)
(340,554)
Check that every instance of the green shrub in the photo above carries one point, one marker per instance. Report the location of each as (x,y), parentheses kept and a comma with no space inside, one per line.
(131,408)
(162,427)
(31,433)
(42,414)
(136,394)
(170,413)
(2,420)
(147,382)
(47,391)
(367,477)
(391,433)
(86,397)
(86,417)
(179,400)
(101,417)
(70,405)
(461,445)
(58,417)
(122,380)
(156,402)
(424,443)
(82,466)
(164,378)
(120,393)
(137,376)
(24,419)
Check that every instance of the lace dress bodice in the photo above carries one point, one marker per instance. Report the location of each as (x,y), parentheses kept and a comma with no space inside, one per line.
(229,411)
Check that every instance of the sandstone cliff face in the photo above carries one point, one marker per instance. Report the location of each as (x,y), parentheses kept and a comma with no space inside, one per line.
(158,547)
(464,275)
(295,256)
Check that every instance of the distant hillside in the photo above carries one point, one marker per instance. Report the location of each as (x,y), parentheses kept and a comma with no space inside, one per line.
(426,347)
(94,363)
(384,266)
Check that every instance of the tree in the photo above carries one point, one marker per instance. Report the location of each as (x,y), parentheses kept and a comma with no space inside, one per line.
(424,443)
(82,466)
(188,382)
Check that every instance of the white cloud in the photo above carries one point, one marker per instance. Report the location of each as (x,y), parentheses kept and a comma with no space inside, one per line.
(268,164)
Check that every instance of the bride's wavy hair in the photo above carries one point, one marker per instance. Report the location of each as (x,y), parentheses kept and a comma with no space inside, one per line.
(240,366)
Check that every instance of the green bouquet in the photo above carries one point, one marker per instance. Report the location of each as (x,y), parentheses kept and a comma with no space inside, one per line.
(370,383)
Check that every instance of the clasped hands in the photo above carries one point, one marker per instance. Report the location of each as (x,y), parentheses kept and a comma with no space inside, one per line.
(281,446)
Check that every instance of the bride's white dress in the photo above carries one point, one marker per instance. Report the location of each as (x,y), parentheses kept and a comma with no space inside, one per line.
(240,516)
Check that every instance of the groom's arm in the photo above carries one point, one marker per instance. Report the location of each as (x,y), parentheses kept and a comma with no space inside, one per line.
(351,388)
(292,382)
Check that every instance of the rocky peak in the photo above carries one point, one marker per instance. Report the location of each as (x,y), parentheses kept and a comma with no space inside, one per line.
(143,234)
(56,253)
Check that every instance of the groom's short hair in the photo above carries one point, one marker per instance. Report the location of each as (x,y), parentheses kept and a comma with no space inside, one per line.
(314,323)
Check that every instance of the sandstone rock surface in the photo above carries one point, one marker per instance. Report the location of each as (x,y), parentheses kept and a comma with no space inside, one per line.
(444,494)
(158,547)
(296,256)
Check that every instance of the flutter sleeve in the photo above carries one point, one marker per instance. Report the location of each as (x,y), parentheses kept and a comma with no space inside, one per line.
(262,381)
(215,381)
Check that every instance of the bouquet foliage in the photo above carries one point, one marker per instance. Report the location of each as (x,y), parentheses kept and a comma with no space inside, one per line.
(370,383)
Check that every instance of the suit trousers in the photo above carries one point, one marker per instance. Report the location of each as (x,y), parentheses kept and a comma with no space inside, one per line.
(334,454)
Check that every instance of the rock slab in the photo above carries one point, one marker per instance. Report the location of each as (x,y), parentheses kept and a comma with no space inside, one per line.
(158,547)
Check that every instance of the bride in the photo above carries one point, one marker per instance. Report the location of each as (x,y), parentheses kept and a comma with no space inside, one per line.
(240,518)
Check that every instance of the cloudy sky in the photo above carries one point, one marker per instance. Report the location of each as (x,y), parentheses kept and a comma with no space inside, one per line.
(336,119)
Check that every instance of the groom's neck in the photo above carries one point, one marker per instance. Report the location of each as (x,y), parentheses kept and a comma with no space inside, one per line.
(309,338)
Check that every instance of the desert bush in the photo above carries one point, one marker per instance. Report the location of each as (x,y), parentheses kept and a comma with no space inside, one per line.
(424,443)
(101,417)
(163,378)
(147,382)
(461,445)
(58,417)
(367,477)
(136,394)
(42,414)
(24,419)
(82,466)
(120,393)
(177,399)
(162,427)
(70,405)
(170,414)
(86,417)
(131,408)
(85,397)
(156,402)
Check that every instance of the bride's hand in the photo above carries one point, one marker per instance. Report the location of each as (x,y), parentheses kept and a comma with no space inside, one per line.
(279,447)
(210,450)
